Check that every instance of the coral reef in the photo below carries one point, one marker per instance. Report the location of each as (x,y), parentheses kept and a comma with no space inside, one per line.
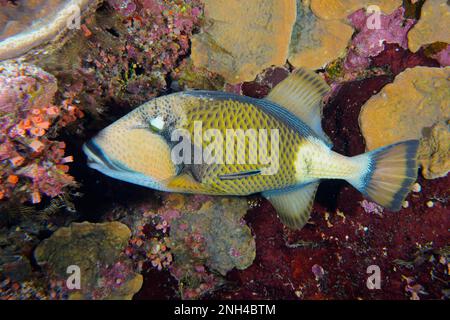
(39,24)
(408,109)
(97,249)
(435,149)
(316,42)
(432,26)
(32,163)
(200,247)
(224,48)
(443,55)
(190,241)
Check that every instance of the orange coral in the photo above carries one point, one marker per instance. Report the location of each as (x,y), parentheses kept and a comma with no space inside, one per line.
(26,115)
(13,179)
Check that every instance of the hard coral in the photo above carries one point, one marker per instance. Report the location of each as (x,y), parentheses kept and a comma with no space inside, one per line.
(212,237)
(197,238)
(316,42)
(27,25)
(340,9)
(241,38)
(415,106)
(432,26)
(31,162)
(125,51)
(106,273)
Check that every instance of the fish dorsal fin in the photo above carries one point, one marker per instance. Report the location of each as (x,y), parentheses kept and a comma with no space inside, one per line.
(294,207)
(301,93)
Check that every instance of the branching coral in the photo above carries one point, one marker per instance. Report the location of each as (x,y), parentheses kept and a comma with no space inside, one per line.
(32,163)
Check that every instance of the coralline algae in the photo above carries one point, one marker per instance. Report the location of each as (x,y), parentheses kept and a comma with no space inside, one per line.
(124,52)
(370,42)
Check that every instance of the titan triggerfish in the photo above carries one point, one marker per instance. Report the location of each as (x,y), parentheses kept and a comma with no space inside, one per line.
(220,143)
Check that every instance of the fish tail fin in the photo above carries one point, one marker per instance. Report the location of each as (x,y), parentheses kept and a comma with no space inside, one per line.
(389,174)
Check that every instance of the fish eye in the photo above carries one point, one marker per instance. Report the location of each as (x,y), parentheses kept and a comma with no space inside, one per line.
(157,124)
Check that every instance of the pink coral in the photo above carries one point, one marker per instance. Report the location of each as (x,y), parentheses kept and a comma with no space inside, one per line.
(32,164)
(372,208)
(370,40)
(150,246)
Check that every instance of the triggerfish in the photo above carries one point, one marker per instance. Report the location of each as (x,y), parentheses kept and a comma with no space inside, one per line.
(219,143)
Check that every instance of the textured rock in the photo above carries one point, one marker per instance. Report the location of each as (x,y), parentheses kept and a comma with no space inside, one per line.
(242,38)
(97,250)
(316,42)
(408,109)
(340,9)
(31,24)
(436,146)
(433,25)
(228,242)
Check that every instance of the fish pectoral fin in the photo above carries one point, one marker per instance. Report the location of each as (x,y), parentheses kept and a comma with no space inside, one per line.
(294,207)
(302,93)
(186,183)
(240,175)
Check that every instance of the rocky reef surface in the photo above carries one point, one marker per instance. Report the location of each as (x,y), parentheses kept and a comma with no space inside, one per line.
(387,63)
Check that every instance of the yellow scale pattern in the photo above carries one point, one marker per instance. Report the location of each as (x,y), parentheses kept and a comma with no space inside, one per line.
(231,114)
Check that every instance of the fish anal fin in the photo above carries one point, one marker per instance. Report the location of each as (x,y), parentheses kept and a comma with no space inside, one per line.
(302,93)
(294,207)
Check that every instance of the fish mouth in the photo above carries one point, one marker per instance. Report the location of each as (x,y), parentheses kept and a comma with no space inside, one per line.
(97,159)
